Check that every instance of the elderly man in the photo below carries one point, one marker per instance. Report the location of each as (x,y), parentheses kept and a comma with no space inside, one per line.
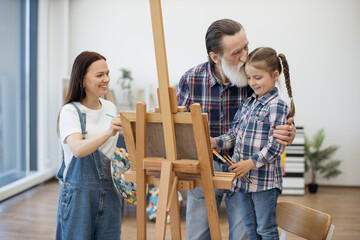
(220,86)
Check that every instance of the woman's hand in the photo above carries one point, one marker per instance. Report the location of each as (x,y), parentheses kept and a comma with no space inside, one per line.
(83,147)
(213,143)
(241,168)
(285,134)
(115,125)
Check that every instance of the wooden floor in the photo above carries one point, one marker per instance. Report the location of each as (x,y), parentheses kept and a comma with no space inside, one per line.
(32,214)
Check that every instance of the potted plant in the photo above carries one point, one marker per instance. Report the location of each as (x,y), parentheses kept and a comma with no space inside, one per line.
(317,160)
(126,80)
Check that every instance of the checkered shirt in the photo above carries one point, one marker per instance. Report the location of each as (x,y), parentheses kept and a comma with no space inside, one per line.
(252,135)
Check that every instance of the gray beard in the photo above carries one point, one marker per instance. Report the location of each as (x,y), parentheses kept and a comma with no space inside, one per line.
(234,73)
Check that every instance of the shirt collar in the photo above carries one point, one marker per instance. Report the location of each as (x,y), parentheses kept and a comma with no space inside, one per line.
(214,80)
(267,97)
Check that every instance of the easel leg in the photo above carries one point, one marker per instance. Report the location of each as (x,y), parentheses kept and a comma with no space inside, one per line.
(140,172)
(141,205)
(166,179)
(203,150)
(211,206)
(175,216)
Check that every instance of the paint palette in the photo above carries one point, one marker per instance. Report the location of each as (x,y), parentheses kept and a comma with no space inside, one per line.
(119,165)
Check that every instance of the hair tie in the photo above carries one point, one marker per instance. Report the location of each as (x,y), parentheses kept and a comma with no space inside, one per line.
(291,99)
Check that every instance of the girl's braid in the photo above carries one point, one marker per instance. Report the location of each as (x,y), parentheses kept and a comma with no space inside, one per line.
(287,83)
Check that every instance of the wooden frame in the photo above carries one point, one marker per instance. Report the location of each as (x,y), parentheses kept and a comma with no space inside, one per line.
(148,166)
(186,168)
(171,149)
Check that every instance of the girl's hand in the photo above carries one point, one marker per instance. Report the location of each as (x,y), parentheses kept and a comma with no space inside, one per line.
(115,125)
(285,134)
(213,143)
(242,168)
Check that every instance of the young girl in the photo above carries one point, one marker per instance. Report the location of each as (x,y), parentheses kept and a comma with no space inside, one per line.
(89,207)
(256,152)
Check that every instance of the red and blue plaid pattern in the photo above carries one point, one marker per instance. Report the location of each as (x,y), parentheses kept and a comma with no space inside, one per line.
(252,135)
(220,102)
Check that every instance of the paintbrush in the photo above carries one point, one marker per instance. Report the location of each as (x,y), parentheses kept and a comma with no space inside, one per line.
(228,161)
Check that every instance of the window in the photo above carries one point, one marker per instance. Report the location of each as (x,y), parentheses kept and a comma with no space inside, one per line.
(18,30)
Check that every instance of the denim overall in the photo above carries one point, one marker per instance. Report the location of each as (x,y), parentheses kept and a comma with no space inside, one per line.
(89,207)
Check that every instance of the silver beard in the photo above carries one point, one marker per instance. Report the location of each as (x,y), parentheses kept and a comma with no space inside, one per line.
(234,73)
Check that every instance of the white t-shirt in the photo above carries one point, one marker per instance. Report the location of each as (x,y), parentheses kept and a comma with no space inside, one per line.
(96,122)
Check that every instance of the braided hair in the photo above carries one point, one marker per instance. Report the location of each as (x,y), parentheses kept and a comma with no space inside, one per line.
(273,62)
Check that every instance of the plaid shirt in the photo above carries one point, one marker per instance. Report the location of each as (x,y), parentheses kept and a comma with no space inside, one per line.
(220,102)
(252,135)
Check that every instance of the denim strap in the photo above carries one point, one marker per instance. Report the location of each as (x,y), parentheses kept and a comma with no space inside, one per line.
(82,117)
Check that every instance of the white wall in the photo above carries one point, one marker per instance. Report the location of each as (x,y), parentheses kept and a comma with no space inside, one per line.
(320,39)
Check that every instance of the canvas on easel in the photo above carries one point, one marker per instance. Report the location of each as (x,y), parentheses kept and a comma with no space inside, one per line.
(171,149)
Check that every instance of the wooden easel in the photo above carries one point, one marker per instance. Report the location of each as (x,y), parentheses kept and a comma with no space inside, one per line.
(176,166)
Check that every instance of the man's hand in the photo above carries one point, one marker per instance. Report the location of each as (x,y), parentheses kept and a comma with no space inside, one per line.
(285,134)
(241,168)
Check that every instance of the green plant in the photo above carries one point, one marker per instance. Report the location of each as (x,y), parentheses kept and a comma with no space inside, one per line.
(126,80)
(317,160)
